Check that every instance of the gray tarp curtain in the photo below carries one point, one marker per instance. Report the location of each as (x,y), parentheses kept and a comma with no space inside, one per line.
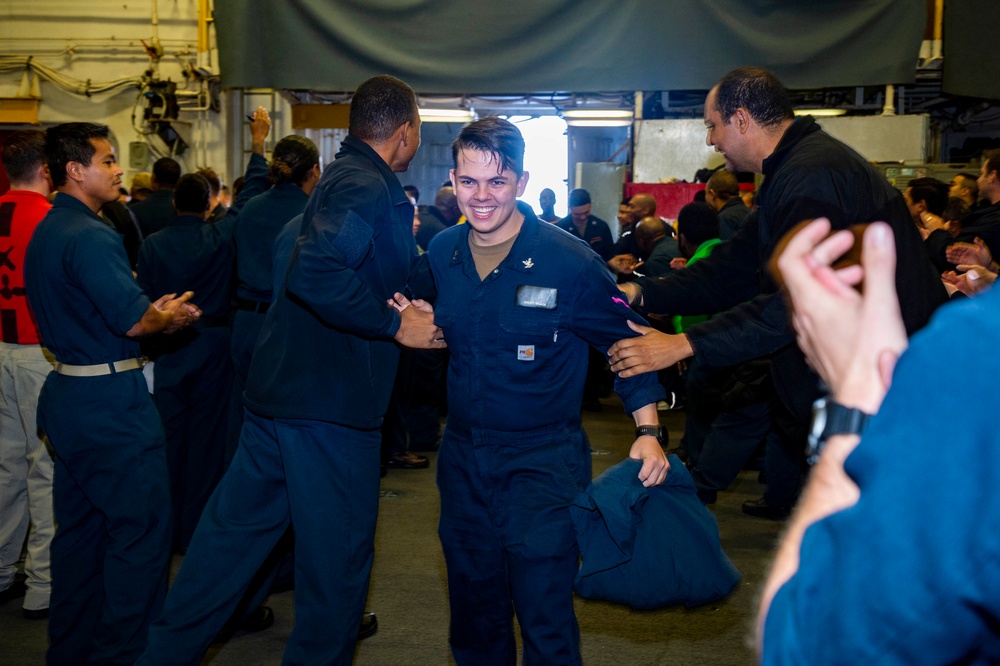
(970,59)
(524,46)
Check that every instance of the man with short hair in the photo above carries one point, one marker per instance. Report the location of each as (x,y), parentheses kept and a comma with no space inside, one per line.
(217,210)
(808,174)
(25,463)
(519,301)
(318,387)
(925,195)
(141,188)
(722,192)
(111,550)
(582,224)
(965,187)
(547,201)
(727,414)
(625,254)
(642,205)
(155,211)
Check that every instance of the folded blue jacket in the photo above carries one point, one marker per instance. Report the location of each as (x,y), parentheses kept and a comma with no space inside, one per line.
(649,547)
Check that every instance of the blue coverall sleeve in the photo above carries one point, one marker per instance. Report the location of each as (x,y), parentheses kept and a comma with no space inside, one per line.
(254,182)
(600,316)
(911,573)
(100,266)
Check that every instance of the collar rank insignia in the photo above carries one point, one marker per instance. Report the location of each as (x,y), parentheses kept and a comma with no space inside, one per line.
(528,263)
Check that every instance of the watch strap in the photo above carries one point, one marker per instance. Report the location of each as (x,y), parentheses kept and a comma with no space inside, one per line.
(650,431)
(831,418)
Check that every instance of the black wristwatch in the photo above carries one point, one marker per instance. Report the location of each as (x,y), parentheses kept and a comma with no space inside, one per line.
(659,432)
(829,419)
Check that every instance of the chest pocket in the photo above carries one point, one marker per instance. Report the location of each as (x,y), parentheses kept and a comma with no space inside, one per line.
(530,322)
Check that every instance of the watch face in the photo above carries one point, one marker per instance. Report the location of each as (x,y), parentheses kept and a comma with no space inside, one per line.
(829,419)
(816,432)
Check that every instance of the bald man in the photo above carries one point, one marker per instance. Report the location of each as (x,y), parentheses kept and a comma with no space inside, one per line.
(656,246)
(722,192)
(547,200)
(625,253)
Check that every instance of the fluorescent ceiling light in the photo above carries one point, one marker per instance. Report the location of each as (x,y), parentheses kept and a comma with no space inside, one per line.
(447,115)
(599,122)
(820,113)
(598,114)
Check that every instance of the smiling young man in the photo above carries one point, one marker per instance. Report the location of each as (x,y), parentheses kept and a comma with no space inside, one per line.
(519,301)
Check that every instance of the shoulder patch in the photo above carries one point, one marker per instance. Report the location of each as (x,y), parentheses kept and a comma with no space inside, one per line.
(354,238)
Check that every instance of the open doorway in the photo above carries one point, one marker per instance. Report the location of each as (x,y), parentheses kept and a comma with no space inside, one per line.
(545,158)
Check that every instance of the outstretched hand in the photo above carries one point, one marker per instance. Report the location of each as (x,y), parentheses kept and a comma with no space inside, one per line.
(652,350)
(182,312)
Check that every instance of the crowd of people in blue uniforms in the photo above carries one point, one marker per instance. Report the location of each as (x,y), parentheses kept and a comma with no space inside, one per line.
(311,283)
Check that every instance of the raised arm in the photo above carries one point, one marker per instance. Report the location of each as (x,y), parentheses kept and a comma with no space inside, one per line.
(853,341)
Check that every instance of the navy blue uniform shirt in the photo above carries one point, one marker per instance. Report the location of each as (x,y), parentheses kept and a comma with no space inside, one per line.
(519,359)
(80,286)
(597,233)
(190,254)
(154,212)
(260,222)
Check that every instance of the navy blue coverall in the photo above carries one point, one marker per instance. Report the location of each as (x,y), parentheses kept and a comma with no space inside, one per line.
(112,546)
(514,455)
(308,455)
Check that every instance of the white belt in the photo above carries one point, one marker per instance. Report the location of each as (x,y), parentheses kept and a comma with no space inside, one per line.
(99,369)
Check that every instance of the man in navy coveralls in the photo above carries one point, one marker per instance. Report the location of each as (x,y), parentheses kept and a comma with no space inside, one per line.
(519,302)
(112,544)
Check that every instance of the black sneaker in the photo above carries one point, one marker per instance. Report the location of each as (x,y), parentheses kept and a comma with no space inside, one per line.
(16,590)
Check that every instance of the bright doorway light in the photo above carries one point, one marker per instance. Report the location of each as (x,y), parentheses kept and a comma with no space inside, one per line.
(546,157)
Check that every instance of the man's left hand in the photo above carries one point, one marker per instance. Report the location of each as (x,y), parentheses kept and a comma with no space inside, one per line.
(648,352)
(654,461)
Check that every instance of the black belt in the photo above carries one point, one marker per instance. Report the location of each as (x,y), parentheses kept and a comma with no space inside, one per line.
(260,307)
